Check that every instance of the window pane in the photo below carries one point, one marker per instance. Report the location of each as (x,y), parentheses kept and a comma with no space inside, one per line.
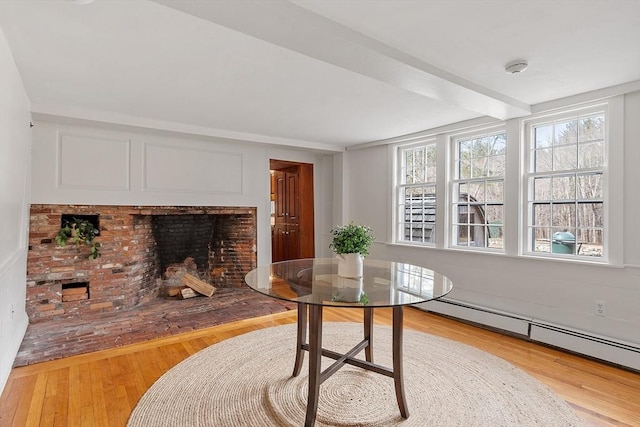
(464,169)
(495,166)
(495,191)
(495,237)
(480,147)
(464,215)
(542,215)
(591,154)
(589,242)
(542,188)
(479,168)
(591,128)
(563,188)
(541,238)
(543,136)
(565,158)
(590,186)
(591,215)
(464,149)
(543,160)
(566,132)
(497,145)
(563,241)
(494,215)
(564,215)
(476,191)
(463,235)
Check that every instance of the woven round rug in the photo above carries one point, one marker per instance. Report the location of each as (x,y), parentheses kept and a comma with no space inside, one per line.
(246,381)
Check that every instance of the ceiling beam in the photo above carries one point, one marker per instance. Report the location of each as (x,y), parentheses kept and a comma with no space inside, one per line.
(290,26)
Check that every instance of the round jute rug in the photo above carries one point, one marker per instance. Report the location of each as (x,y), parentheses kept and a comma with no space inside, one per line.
(246,381)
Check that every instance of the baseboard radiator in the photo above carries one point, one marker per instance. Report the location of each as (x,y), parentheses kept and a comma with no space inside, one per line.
(604,348)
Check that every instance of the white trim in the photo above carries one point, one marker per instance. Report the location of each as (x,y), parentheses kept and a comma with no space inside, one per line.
(82,117)
(571,112)
(585,98)
(605,348)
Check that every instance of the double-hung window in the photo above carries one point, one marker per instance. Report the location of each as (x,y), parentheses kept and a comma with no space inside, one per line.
(416,194)
(478,190)
(565,185)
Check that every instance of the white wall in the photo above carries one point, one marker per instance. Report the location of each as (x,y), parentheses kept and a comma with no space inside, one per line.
(554,291)
(89,163)
(15,143)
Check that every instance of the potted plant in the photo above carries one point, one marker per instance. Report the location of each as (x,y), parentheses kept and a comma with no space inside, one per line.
(351,243)
(80,232)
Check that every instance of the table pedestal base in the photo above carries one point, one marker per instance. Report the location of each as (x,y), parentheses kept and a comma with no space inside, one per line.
(314,347)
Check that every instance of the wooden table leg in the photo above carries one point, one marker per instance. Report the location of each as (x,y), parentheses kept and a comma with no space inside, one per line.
(368,333)
(301,338)
(315,356)
(398,313)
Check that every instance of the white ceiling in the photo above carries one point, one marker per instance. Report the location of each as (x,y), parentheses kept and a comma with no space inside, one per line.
(314,73)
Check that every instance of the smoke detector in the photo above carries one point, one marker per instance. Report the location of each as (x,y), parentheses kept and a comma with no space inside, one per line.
(515,67)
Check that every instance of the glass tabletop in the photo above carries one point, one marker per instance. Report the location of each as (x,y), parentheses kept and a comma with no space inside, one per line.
(316,281)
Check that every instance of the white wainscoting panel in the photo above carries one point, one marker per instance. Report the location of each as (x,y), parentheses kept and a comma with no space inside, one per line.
(191,170)
(90,162)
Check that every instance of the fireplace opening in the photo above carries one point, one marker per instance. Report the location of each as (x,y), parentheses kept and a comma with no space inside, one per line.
(179,237)
(219,247)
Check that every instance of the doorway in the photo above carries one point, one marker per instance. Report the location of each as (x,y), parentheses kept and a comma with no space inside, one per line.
(292,205)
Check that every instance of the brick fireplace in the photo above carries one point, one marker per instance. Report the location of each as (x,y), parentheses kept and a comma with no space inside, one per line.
(137,245)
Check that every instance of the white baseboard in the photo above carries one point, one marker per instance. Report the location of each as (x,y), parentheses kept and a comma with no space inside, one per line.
(604,348)
(484,316)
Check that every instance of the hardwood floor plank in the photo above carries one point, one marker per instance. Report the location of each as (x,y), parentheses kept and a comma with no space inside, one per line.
(102,388)
(14,405)
(37,400)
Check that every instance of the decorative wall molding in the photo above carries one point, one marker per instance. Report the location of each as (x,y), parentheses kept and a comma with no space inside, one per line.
(210,171)
(85,161)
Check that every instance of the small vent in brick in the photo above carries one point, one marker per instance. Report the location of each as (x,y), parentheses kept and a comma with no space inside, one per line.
(75,291)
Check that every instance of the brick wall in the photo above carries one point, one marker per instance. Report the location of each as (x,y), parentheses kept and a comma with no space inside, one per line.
(127,272)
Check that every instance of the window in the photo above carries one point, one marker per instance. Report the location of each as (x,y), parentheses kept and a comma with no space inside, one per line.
(416,203)
(478,191)
(565,180)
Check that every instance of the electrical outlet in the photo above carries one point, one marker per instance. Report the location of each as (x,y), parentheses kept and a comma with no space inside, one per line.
(601,308)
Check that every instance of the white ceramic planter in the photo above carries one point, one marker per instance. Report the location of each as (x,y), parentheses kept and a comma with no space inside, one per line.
(350,265)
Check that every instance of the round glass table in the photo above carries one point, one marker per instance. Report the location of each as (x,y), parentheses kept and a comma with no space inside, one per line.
(314,283)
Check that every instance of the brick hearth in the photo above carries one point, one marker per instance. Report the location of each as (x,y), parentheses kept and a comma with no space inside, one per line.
(161,317)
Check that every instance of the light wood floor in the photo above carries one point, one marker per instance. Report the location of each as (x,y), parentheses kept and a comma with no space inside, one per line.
(102,388)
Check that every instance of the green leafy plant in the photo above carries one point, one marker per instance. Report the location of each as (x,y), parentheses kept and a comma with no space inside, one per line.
(79,232)
(352,238)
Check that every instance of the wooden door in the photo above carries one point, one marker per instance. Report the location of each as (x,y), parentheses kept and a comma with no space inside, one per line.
(292,227)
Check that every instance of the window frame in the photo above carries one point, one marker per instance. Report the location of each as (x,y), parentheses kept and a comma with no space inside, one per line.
(397,222)
(529,175)
(454,180)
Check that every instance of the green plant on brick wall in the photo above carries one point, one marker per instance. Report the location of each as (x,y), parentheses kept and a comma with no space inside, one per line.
(79,232)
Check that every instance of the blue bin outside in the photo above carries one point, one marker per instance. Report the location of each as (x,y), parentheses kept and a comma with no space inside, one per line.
(563,242)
